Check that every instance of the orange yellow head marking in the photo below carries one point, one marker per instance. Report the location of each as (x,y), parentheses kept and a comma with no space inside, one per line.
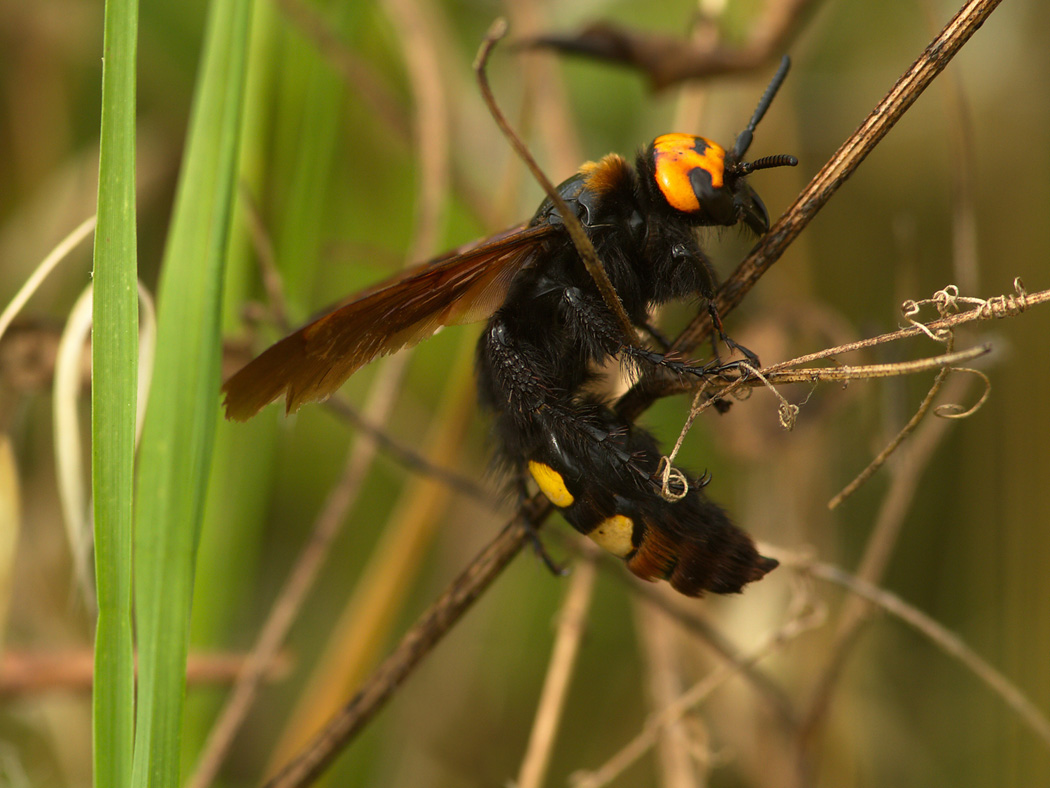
(551,484)
(615,534)
(675,156)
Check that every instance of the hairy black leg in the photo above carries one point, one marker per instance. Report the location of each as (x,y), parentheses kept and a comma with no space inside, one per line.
(532,533)
(716,319)
(595,328)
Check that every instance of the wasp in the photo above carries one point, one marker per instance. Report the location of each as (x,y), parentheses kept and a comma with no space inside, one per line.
(549,330)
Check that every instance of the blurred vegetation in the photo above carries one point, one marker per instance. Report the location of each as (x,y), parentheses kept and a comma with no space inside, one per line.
(336,177)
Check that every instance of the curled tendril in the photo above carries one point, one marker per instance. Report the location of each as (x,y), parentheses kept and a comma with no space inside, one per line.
(948,302)
(1006,305)
(680,487)
(786,412)
(952,411)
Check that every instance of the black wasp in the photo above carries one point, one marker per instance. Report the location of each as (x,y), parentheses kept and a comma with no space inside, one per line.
(549,329)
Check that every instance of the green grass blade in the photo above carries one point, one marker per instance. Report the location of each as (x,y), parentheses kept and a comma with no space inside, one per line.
(113,395)
(180,422)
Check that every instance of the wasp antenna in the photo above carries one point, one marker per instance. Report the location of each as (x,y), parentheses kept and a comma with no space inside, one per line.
(743,140)
(766,163)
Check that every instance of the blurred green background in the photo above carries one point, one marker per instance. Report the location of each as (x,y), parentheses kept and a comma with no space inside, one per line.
(331,163)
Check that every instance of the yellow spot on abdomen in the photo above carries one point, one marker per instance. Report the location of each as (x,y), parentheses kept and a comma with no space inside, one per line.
(551,484)
(615,535)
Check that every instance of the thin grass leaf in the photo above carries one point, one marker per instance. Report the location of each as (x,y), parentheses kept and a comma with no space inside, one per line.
(180,421)
(114,369)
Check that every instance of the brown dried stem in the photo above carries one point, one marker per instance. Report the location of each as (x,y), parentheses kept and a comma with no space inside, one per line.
(414,646)
(571,626)
(949,642)
(572,224)
(33,673)
(809,615)
(666,60)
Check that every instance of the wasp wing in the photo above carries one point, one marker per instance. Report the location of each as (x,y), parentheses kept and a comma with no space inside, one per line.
(461,287)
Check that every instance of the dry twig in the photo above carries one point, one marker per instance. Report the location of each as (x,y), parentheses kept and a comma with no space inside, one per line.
(667,60)
(946,640)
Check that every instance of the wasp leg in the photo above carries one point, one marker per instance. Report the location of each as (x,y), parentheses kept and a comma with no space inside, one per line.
(594,328)
(716,319)
(533,535)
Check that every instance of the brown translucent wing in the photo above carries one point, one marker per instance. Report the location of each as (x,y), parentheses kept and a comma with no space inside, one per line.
(461,287)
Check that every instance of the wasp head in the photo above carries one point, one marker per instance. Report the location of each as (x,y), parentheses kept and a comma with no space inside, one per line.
(705,182)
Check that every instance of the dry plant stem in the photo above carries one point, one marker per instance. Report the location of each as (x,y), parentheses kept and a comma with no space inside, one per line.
(409,458)
(899,438)
(414,646)
(545,92)
(815,375)
(809,618)
(571,625)
(962,153)
(906,473)
(28,673)
(871,371)
(359,634)
(998,307)
(661,640)
(54,257)
(430,129)
(944,639)
(778,373)
(430,124)
(292,595)
(846,159)
(777,700)
(318,700)
(262,243)
(667,60)
(572,224)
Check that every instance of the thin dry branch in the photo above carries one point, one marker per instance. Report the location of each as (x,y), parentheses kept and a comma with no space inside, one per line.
(905,477)
(25,673)
(407,457)
(278,314)
(572,224)
(283,613)
(414,646)
(946,640)
(666,60)
(571,626)
(809,615)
